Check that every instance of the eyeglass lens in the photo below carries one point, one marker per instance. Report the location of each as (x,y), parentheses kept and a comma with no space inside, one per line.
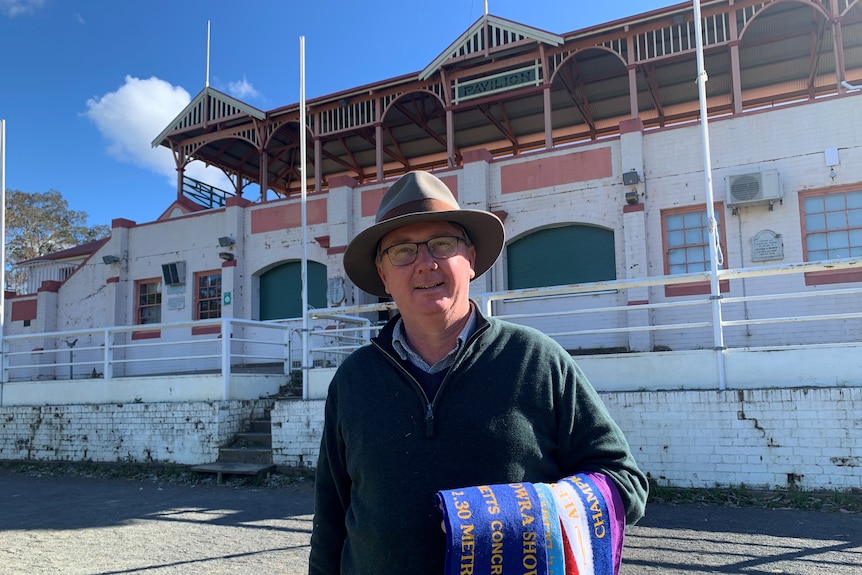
(406,253)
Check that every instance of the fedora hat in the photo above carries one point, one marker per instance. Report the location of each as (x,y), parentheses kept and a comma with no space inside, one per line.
(420,197)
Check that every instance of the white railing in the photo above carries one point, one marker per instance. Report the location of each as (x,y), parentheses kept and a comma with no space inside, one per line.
(636,315)
(759,311)
(225,346)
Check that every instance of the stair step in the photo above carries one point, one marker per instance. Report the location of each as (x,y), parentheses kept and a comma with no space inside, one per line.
(254,439)
(258,455)
(221,469)
(260,426)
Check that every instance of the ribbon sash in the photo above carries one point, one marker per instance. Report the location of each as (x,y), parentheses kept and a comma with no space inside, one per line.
(574,526)
(494,530)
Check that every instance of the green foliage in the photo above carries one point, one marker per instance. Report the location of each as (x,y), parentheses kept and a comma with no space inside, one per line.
(41,223)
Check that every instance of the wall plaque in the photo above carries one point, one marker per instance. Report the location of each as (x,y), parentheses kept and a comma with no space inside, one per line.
(767,245)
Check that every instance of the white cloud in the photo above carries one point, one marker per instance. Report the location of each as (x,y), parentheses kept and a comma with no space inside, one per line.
(242,89)
(18,7)
(130,119)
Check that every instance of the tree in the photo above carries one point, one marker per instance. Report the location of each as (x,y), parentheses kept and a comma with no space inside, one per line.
(41,223)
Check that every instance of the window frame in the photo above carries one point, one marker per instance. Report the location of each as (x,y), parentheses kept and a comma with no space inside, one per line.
(217,298)
(699,287)
(138,296)
(827,276)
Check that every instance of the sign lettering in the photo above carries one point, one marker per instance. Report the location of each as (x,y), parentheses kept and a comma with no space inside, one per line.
(498,83)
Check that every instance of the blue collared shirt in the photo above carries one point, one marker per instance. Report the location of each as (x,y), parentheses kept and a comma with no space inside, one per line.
(405,352)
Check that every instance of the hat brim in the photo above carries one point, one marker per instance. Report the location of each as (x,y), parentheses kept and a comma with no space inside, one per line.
(485,230)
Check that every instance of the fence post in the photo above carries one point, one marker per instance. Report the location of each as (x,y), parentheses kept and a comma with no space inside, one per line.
(108,369)
(287,336)
(4,364)
(225,356)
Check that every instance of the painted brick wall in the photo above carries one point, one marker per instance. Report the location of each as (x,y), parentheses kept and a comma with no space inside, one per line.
(296,431)
(789,139)
(810,438)
(186,433)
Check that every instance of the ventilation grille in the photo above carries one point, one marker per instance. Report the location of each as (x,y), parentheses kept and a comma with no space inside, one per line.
(753,188)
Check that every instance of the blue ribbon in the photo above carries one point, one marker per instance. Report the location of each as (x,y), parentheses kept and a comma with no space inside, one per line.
(494,529)
(553,531)
(599,521)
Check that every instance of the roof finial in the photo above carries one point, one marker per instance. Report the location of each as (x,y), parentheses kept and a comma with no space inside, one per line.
(486,7)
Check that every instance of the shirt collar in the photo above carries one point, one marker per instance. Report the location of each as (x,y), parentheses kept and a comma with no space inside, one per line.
(406,353)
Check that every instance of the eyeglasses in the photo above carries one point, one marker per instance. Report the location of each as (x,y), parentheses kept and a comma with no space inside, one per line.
(405,253)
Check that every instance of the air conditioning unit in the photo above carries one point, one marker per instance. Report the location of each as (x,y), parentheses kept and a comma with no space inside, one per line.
(754,188)
(174,273)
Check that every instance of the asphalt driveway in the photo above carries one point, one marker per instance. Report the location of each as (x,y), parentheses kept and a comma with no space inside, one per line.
(74,525)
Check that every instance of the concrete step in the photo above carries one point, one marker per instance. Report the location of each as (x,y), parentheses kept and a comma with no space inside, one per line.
(222,468)
(257,455)
(260,426)
(253,439)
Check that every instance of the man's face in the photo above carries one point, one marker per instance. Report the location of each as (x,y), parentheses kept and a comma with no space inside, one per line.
(429,286)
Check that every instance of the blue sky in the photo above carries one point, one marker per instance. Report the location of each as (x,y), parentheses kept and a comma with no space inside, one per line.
(88,84)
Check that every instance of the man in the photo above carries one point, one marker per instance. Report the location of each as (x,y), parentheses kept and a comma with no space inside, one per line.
(444,397)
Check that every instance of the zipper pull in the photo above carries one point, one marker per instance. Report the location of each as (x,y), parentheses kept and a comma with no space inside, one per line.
(429,421)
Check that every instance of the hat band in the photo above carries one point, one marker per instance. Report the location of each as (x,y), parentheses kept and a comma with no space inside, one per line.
(416,206)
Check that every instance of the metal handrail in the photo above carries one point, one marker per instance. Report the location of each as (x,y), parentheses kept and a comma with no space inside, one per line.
(204,194)
(103,347)
(336,332)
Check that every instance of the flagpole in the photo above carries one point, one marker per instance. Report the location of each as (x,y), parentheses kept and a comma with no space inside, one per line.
(712,225)
(207,84)
(2,256)
(304,266)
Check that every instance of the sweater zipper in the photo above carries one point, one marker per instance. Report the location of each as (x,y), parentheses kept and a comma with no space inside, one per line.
(429,404)
(429,420)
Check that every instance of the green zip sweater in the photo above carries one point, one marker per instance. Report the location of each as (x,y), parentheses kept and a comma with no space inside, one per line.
(514,407)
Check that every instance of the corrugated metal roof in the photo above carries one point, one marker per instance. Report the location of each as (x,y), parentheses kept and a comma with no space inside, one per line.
(784,52)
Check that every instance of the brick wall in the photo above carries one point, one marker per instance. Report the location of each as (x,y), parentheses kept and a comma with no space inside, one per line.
(185,433)
(805,437)
(808,438)
(296,431)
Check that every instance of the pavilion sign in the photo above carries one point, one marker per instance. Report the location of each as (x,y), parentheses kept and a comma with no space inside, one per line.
(496,83)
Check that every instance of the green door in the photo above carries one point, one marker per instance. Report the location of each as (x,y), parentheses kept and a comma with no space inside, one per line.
(560,256)
(281,290)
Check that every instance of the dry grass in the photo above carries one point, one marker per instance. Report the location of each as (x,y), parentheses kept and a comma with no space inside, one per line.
(743,496)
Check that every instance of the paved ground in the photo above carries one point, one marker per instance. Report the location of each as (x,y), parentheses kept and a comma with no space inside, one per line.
(86,526)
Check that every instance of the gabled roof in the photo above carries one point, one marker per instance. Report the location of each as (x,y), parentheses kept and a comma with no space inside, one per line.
(209,105)
(81,251)
(383,129)
(184,205)
(500,33)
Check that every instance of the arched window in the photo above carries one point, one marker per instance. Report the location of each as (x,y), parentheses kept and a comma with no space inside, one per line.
(281,290)
(562,255)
